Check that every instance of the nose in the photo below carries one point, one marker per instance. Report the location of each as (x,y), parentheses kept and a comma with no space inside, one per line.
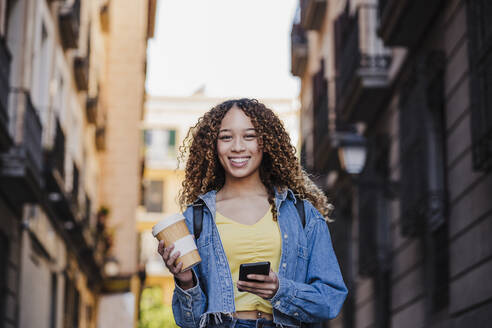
(237,145)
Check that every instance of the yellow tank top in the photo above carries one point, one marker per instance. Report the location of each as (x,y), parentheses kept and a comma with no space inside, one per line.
(250,243)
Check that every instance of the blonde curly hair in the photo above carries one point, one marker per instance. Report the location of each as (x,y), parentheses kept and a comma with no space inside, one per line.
(279,167)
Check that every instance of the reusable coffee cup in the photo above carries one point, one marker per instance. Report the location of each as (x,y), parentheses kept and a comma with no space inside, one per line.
(173,230)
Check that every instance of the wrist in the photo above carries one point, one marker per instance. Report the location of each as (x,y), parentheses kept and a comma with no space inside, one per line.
(186,283)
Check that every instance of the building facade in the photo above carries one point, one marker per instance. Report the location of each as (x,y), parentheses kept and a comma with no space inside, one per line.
(412,78)
(59,80)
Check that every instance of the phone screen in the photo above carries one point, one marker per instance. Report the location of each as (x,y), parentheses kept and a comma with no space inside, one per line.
(253,268)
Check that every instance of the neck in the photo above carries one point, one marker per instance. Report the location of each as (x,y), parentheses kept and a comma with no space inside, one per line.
(248,186)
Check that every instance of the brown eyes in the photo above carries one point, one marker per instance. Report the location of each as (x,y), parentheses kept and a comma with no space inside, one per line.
(247,137)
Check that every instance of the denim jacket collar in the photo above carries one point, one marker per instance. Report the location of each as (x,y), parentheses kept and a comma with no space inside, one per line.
(280,196)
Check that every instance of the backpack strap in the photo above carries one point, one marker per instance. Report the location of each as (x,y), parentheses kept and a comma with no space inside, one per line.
(197,218)
(300,211)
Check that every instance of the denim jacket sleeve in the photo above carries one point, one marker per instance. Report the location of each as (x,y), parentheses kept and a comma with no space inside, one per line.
(324,292)
(189,305)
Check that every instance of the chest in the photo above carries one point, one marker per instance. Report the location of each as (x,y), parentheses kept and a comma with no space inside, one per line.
(244,211)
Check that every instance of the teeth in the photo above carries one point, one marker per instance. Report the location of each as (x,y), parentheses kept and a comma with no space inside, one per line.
(239,161)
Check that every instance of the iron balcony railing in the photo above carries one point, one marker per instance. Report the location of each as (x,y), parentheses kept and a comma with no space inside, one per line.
(32,135)
(360,53)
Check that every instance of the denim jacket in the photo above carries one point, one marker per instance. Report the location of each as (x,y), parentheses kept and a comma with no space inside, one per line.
(311,287)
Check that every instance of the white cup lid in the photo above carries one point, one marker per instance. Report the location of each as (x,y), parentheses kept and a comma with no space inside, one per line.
(166,222)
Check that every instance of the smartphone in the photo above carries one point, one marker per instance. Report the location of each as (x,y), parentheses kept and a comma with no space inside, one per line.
(253,268)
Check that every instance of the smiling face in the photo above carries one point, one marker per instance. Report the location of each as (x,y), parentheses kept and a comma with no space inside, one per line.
(237,146)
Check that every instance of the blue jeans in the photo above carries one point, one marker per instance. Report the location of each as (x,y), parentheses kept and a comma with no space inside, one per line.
(243,323)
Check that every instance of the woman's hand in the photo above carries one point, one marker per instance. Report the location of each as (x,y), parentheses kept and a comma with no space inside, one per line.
(266,289)
(185,279)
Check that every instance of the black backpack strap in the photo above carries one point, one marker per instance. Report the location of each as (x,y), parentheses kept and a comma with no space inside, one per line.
(197,218)
(300,211)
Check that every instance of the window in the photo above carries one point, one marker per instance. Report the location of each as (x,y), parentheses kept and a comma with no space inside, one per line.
(41,61)
(76,306)
(423,190)
(72,303)
(160,145)
(54,298)
(153,196)
(480,62)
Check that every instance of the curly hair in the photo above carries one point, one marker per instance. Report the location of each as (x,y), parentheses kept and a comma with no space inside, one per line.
(279,167)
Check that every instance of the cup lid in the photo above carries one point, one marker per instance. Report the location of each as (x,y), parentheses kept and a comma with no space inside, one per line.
(166,222)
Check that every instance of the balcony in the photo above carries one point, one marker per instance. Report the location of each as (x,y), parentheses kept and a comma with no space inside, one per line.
(20,167)
(91,109)
(312,13)
(54,173)
(69,21)
(298,49)
(404,22)
(74,196)
(81,72)
(5,59)
(362,64)
(55,163)
(101,138)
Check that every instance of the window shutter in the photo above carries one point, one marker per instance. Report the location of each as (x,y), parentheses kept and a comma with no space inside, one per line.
(422,192)
(412,156)
(480,64)
(320,107)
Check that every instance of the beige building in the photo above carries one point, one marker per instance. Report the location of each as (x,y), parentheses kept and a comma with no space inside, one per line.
(71,87)
(165,124)
(412,224)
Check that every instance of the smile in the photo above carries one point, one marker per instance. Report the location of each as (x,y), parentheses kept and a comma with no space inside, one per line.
(239,161)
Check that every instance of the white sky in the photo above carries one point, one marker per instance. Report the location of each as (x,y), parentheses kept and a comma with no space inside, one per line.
(236,48)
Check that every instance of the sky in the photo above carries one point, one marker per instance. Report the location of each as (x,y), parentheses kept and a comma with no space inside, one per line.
(234,48)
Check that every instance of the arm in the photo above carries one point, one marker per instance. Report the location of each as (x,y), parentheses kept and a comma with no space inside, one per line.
(323,295)
(189,301)
(189,304)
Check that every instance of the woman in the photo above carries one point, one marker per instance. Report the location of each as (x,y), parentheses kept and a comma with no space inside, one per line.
(242,167)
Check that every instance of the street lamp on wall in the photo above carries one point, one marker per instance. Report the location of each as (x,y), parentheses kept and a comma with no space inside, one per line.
(352,151)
